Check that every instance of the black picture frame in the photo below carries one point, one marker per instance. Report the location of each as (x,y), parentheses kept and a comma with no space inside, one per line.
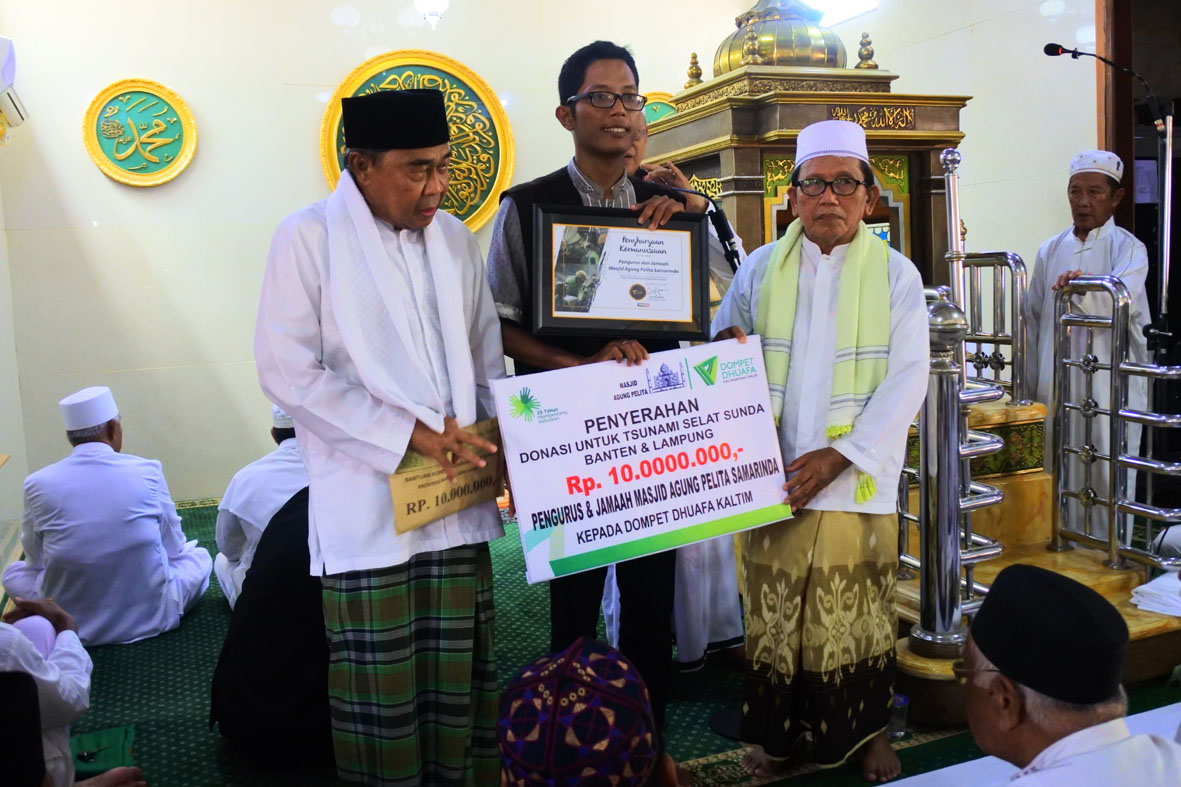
(551,320)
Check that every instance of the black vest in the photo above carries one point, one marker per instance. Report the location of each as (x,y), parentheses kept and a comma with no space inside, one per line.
(557,188)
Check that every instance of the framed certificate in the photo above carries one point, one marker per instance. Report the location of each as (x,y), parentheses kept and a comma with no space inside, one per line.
(596,271)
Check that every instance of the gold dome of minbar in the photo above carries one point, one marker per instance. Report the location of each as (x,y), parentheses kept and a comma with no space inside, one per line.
(787,33)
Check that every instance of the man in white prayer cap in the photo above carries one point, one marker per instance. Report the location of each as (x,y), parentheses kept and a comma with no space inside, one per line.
(378,334)
(1092,246)
(101,534)
(843,325)
(255,494)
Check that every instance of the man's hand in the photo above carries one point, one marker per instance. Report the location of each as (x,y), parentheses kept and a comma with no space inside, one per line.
(451,447)
(620,350)
(733,332)
(813,472)
(46,608)
(668,174)
(1065,278)
(656,211)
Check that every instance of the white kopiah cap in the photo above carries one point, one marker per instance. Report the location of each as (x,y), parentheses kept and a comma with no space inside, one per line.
(1098,161)
(280,419)
(831,138)
(89,407)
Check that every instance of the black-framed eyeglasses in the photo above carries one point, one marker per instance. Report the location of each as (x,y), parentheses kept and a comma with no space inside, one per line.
(842,187)
(603,99)
(962,673)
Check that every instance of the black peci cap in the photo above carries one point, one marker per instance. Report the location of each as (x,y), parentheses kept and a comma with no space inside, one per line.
(395,119)
(1052,634)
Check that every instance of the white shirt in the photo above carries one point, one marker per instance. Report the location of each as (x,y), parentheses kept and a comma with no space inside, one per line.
(1106,251)
(350,440)
(63,691)
(877,444)
(100,528)
(255,494)
(1106,754)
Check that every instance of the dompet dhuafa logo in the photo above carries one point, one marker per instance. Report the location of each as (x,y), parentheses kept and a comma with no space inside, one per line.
(523,404)
(708,369)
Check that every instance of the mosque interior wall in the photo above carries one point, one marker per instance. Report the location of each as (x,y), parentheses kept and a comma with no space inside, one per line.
(12,432)
(153,291)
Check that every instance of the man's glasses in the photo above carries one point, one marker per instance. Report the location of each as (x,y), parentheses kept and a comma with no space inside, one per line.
(603,99)
(961,671)
(842,187)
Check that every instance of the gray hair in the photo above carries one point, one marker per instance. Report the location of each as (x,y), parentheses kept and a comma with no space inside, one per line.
(89,433)
(1049,713)
(369,154)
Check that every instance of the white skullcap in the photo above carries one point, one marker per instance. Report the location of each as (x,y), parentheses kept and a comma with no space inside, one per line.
(831,138)
(1098,161)
(89,407)
(280,419)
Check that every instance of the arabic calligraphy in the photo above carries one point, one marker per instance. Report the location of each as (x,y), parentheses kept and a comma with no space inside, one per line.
(885,117)
(475,143)
(142,132)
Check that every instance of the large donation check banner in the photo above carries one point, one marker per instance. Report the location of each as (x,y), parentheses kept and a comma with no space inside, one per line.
(610,462)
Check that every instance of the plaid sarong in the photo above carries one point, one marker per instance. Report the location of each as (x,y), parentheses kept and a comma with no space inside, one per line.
(412,673)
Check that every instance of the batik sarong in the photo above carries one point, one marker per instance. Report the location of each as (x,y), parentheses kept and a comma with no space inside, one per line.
(412,672)
(820,632)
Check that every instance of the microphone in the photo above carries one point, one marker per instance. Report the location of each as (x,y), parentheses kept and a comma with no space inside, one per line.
(721,226)
(1054,50)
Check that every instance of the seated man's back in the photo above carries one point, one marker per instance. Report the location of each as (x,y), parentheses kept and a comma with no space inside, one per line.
(102,537)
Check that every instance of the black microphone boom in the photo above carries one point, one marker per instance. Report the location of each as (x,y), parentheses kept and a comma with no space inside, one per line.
(1053,50)
(721,225)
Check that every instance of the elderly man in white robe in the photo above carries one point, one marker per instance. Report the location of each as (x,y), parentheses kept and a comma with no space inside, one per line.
(255,494)
(377,333)
(101,534)
(1042,670)
(844,333)
(1092,246)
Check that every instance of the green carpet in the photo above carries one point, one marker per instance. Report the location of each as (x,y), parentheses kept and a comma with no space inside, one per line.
(161,686)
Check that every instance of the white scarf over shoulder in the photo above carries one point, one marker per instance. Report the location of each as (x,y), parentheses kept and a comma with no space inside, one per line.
(373,323)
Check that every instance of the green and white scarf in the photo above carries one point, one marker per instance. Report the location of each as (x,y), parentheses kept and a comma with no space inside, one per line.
(863,329)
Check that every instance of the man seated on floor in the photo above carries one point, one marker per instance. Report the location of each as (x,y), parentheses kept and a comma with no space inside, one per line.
(605,734)
(268,707)
(254,495)
(41,639)
(1042,668)
(101,534)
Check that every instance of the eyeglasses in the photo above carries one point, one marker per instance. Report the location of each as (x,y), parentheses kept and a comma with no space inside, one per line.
(842,187)
(962,673)
(603,99)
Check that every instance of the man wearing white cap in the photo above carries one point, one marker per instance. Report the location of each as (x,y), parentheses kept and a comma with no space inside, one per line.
(101,534)
(255,494)
(844,331)
(1091,246)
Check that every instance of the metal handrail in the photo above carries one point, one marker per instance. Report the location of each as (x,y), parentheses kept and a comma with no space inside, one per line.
(1018,386)
(1118,500)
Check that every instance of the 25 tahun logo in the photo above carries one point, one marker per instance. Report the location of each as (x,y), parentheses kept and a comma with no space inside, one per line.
(523,404)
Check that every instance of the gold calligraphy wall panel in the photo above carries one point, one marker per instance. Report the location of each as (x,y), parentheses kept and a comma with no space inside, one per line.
(139,132)
(481,139)
(875,117)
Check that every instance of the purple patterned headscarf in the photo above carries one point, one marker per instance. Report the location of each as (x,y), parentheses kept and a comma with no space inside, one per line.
(582,716)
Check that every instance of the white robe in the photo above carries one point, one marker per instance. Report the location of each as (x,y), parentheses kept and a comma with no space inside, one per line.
(255,494)
(102,538)
(877,444)
(351,439)
(1107,250)
(1105,754)
(63,691)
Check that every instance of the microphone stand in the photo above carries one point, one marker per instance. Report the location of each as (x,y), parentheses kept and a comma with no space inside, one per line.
(721,225)
(1160,338)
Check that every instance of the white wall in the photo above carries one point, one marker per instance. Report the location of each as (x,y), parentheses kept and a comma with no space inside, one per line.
(12,430)
(153,291)
(1029,115)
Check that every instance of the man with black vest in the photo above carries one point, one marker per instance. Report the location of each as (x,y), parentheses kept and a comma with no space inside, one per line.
(601,107)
